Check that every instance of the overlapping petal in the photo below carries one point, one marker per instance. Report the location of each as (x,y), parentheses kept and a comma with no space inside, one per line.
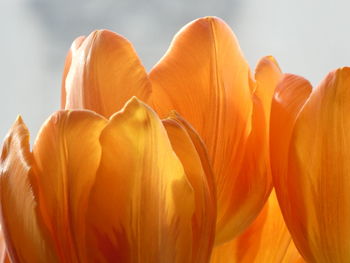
(26,239)
(67,154)
(104,73)
(142,203)
(265,240)
(191,151)
(71,53)
(205,77)
(115,187)
(313,183)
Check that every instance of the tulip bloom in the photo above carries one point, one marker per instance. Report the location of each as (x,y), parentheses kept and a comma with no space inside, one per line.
(127,189)
(266,240)
(205,78)
(310,163)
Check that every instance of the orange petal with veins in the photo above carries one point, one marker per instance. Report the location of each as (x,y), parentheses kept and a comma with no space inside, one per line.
(312,178)
(142,203)
(67,153)
(105,72)
(205,78)
(24,233)
(185,142)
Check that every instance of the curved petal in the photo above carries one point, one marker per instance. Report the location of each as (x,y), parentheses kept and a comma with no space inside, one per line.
(67,154)
(265,240)
(142,204)
(290,96)
(318,173)
(197,169)
(267,75)
(23,229)
(105,72)
(71,53)
(205,78)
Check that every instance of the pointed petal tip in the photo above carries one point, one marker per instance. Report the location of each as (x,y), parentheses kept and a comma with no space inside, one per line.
(19,120)
(133,103)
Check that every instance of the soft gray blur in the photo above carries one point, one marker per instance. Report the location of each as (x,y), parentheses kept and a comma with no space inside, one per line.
(306,37)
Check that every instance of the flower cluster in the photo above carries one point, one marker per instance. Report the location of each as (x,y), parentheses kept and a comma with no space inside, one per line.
(200,160)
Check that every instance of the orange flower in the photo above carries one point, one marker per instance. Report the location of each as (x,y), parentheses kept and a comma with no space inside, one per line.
(127,189)
(310,163)
(108,185)
(205,78)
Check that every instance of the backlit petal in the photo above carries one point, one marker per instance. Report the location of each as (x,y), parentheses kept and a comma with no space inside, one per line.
(67,154)
(105,72)
(22,227)
(71,53)
(265,240)
(318,180)
(142,204)
(205,78)
(267,76)
(204,219)
(289,98)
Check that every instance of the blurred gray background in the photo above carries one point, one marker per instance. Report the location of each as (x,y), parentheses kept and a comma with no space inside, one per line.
(306,37)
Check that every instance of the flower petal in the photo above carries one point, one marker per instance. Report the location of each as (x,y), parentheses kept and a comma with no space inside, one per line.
(204,219)
(67,154)
(267,76)
(292,255)
(22,227)
(71,53)
(142,204)
(290,96)
(317,189)
(265,240)
(205,78)
(105,72)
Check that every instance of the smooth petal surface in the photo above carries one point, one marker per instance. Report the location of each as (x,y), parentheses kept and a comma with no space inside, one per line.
(105,72)
(267,75)
(205,78)
(71,53)
(199,174)
(318,179)
(67,153)
(142,204)
(23,230)
(265,240)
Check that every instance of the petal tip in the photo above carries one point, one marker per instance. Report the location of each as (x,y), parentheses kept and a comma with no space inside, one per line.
(19,120)
(267,61)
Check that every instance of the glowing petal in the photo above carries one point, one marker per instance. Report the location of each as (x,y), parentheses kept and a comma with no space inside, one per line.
(142,204)
(105,72)
(22,227)
(71,53)
(205,78)
(317,184)
(265,240)
(267,76)
(67,154)
(204,219)
(314,177)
